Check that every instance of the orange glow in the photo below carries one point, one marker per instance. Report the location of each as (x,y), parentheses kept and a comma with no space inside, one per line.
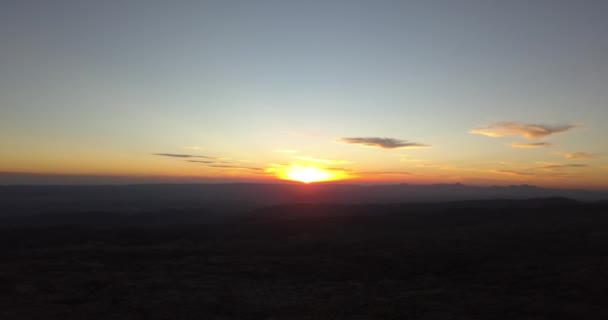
(308,174)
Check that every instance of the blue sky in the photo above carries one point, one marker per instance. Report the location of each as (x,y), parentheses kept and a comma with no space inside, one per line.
(91,87)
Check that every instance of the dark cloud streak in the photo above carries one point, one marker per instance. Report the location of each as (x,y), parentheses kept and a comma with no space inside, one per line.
(383,143)
(563,166)
(579,155)
(235,167)
(177,155)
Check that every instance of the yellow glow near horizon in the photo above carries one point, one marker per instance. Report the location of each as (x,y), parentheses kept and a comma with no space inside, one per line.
(308,174)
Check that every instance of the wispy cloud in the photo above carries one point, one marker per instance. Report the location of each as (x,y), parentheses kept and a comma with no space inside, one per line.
(211,162)
(514,172)
(178,155)
(277,165)
(317,160)
(340,169)
(221,166)
(547,169)
(530,145)
(201,161)
(563,166)
(545,163)
(578,155)
(385,173)
(553,165)
(174,155)
(523,173)
(528,131)
(383,143)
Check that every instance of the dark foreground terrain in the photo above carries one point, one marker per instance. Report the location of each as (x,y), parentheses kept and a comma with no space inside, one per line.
(528,259)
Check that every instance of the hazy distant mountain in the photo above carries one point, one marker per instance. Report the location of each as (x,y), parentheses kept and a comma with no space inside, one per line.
(228,198)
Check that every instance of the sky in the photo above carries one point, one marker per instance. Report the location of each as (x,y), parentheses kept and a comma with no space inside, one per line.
(474,92)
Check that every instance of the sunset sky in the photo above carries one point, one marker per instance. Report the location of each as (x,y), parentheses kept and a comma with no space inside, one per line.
(476,92)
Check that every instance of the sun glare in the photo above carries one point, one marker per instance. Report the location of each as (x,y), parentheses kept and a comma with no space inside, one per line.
(309,174)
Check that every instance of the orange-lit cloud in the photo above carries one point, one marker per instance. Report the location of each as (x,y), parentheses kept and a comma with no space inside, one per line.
(514,172)
(385,173)
(179,155)
(563,166)
(317,160)
(530,145)
(547,169)
(383,143)
(221,166)
(200,161)
(524,173)
(578,155)
(528,131)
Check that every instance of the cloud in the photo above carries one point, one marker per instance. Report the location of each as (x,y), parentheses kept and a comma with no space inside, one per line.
(340,169)
(324,161)
(578,155)
(546,163)
(548,169)
(530,145)
(514,172)
(563,166)
(177,155)
(277,165)
(385,173)
(530,173)
(174,155)
(235,167)
(383,143)
(528,131)
(211,162)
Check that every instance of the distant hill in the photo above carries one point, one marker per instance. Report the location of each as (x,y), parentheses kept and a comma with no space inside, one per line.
(235,198)
(481,209)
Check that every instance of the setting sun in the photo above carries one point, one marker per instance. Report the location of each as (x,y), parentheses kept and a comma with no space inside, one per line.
(308,173)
